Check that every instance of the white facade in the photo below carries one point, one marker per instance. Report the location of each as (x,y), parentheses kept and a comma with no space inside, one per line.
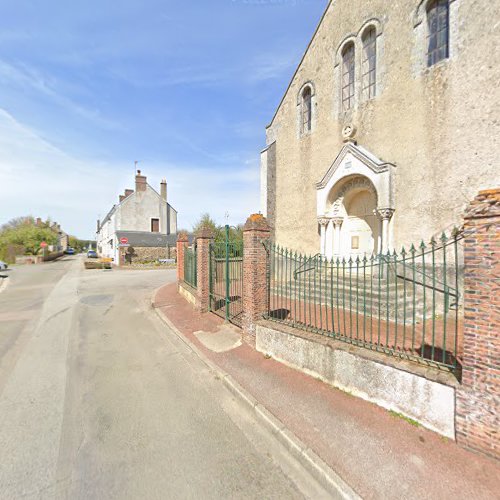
(143,210)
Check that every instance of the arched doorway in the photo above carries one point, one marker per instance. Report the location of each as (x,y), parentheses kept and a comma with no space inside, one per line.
(355,227)
(360,232)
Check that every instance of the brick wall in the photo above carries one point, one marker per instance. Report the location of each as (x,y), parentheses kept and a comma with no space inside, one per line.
(203,239)
(182,242)
(255,262)
(478,398)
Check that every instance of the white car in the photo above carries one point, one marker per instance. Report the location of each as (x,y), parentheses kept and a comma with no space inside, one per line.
(3,265)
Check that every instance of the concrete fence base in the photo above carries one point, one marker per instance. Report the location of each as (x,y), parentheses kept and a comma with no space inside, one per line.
(429,402)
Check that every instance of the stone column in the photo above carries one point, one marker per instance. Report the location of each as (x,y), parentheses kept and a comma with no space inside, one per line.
(337,222)
(478,398)
(385,214)
(182,243)
(255,261)
(323,223)
(203,239)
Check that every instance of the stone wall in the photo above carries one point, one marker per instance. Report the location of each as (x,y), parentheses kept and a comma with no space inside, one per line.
(149,254)
(394,384)
(435,124)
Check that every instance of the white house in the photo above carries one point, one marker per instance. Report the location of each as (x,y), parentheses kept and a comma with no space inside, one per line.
(139,215)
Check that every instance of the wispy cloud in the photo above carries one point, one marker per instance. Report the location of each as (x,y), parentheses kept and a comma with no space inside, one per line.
(29,78)
(40,179)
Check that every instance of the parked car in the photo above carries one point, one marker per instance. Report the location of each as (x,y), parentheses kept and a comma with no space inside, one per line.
(92,254)
(69,251)
(3,265)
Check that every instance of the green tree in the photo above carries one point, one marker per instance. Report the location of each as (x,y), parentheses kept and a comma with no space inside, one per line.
(206,221)
(22,233)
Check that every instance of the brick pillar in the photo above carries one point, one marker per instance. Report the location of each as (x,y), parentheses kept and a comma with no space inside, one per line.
(203,239)
(478,398)
(182,243)
(255,231)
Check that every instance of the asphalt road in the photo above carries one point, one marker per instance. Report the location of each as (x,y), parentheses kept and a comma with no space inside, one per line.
(98,399)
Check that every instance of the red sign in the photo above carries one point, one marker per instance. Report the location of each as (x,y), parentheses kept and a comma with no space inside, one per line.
(123,241)
(43,244)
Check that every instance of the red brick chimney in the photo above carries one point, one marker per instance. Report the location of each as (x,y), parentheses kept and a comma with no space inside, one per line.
(140,182)
(163,189)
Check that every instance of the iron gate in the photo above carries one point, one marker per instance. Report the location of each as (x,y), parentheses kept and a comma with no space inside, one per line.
(226,279)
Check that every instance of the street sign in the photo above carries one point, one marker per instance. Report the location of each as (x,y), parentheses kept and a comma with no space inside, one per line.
(43,244)
(123,241)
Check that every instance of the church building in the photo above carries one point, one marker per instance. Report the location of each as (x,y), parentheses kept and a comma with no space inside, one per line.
(388,128)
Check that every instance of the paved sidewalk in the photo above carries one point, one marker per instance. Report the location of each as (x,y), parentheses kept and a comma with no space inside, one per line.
(379,455)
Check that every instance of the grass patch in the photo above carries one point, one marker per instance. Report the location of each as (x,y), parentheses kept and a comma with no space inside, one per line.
(404,417)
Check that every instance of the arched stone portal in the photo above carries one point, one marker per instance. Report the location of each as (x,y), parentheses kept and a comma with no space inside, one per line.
(355,204)
(351,206)
(360,233)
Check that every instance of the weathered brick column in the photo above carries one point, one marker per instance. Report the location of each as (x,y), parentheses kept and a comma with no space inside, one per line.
(182,243)
(203,239)
(255,231)
(478,398)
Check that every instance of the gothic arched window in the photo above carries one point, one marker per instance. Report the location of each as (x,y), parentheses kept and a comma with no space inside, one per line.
(348,76)
(369,66)
(306,111)
(438,31)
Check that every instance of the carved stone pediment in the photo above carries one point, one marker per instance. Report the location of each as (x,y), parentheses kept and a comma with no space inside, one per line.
(355,167)
(358,154)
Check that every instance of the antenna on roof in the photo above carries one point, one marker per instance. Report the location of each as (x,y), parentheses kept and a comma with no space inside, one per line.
(135,166)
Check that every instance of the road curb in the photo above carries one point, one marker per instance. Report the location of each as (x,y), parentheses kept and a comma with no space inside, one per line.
(321,471)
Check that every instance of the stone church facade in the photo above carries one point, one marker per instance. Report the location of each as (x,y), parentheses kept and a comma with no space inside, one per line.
(388,127)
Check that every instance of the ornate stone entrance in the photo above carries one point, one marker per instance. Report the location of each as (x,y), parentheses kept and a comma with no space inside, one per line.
(355,204)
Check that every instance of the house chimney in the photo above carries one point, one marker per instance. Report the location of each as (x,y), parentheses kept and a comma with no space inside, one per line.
(128,192)
(38,221)
(140,182)
(163,189)
(98,225)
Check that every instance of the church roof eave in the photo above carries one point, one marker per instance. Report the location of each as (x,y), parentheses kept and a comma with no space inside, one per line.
(300,64)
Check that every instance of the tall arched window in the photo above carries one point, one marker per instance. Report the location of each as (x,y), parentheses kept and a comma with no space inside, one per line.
(369,66)
(306,110)
(348,76)
(438,27)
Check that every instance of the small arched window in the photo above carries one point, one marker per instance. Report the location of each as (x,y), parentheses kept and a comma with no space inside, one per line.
(306,111)
(438,31)
(348,76)
(369,66)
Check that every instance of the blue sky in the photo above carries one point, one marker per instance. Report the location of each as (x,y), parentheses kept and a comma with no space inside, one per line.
(185,87)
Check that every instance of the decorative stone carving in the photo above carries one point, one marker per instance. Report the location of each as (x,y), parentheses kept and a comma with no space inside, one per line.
(357,183)
(348,132)
(384,213)
(337,221)
(323,221)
